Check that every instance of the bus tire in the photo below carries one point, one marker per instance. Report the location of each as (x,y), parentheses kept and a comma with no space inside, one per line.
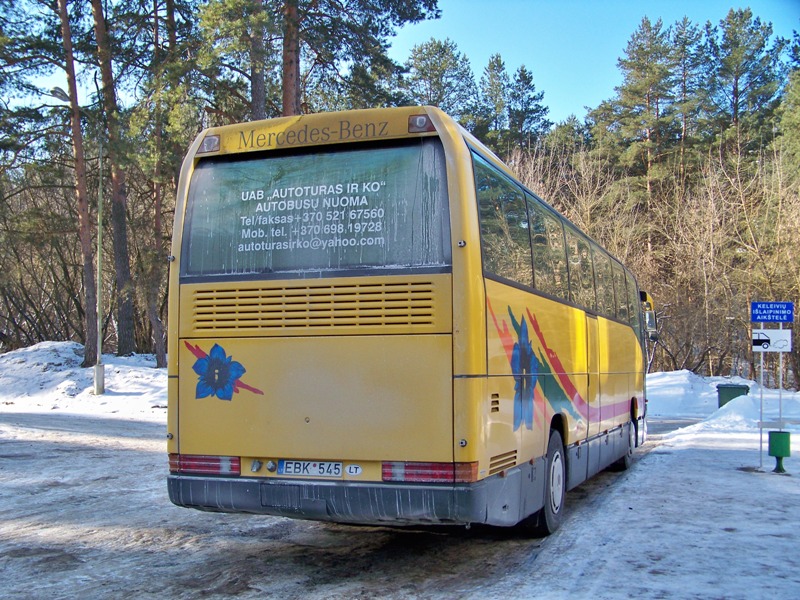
(626,460)
(548,519)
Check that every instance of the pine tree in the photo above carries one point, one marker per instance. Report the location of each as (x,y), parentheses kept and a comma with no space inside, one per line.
(81,192)
(789,115)
(440,75)
(157,127)
(746,76)
(568,134)
(239,60)
(362,86)
(645,96)
(794,52)
(688,59)
(326,36)
(494,87)
(527,116)
(636,129)
(119,194)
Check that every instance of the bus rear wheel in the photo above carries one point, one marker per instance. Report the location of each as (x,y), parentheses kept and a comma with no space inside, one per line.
(548,519)
(626,460)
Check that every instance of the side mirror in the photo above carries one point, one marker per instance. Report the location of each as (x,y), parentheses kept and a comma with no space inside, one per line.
(650,323)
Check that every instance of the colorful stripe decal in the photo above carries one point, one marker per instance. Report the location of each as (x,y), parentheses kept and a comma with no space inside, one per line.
(547,371)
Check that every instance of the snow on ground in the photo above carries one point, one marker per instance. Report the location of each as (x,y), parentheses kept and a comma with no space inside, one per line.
(49,377)
(694,518)
(704,520)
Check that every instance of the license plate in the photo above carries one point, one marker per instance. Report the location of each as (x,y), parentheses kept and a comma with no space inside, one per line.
(309,468)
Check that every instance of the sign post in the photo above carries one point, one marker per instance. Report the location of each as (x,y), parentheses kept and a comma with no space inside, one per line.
(772,340)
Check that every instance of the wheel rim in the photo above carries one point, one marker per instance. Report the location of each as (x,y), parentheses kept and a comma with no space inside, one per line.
(556,482)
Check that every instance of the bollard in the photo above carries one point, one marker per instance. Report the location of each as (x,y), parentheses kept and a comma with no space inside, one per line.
(780,448)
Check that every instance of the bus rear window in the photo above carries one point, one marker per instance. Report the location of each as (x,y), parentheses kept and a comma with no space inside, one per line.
(370,208)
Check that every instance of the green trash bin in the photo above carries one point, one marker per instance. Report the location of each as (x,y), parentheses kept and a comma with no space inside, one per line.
(728,391)
(780,447)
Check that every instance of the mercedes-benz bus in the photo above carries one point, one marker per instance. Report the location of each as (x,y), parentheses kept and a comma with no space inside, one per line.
(372,321)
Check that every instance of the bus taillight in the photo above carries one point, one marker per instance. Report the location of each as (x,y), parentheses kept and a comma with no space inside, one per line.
(204,465)
(430,472)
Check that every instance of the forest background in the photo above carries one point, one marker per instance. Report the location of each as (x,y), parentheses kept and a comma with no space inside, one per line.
(689,174)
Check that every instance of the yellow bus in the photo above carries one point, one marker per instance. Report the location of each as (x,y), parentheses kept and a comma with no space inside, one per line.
(372,321)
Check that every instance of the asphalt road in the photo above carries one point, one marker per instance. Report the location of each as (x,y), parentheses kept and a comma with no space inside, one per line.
(657,427)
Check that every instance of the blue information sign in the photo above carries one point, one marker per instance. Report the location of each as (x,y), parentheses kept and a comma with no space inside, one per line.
(772,312)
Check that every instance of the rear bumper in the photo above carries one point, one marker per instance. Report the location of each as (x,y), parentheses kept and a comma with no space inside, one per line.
(341,502)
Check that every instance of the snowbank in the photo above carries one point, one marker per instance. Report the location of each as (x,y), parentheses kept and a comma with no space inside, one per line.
(682,394)
(49,377)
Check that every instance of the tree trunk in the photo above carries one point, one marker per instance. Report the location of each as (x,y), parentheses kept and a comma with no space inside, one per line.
(172,35)
(81,190)
(124,288)
(153,266)
(291,59)
(258,78)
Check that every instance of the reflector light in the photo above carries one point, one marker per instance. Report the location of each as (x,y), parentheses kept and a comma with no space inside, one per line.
(420,124)
(210,143)
(204,465)
(430,472)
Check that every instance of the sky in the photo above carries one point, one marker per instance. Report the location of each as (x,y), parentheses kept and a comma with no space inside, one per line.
(84,510)
(570,46)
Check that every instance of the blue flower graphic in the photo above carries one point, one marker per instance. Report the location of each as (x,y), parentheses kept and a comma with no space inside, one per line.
(218,374)
(525,367)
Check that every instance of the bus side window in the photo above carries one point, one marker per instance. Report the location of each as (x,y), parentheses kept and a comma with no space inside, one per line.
(581,279)
(549,256)
(620,292)
(603,282)
(505,238)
